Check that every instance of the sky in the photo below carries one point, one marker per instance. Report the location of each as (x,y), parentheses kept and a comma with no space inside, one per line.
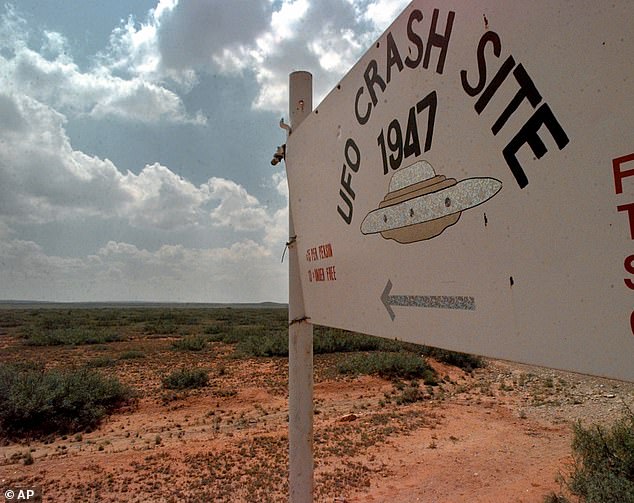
(136,139)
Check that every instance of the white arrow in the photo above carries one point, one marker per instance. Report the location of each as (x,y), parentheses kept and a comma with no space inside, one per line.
(429,301)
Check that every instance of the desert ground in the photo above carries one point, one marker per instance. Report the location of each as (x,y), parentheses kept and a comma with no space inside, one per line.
(499,433)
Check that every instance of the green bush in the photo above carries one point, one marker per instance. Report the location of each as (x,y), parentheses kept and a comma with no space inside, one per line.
(461,360)
(74,336)
(240,333)
(160,327)
(270,344)
(410,394)
(215,329)
(272,340)
(603,463)
(333,340)
(101,361)
(186,379)
(166,320)
(388,365)
(262,342)
(35,401)
(190,343)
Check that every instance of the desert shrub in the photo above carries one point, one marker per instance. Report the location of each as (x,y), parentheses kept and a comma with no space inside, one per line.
(273,317)
(186,379)
(263,342)
(604,462)
(35,401)
(190,343)
(166,321)
(400,365)
(215,329)
(11,319)
(56,319)
(237,334)
(410,394)
(333,340)
(73,336)
(101,361)
(603,468)
(162,327)
(269,344)
(461,360)
(260,340)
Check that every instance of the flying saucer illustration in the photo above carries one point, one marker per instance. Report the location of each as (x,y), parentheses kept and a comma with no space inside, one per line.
(420,204)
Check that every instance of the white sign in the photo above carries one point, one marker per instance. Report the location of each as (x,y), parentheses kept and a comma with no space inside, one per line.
(470,185)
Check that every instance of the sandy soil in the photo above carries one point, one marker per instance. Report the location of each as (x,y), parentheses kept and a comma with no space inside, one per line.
(499,434)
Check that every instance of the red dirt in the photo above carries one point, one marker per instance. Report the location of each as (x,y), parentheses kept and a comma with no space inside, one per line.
(500,434)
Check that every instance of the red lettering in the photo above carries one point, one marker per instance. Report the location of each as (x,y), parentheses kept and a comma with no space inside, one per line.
(630,213)
(618,174)
(325,251)
(629,267)
(319,275)
(632,322)
(330,272)
(311,254)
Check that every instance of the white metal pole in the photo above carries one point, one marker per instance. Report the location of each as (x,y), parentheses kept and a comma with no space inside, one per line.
(300,333)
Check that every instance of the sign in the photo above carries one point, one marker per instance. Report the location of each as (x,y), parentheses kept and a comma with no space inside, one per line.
(469,185)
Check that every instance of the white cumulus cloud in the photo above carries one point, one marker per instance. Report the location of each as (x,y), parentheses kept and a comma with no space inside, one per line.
(268,39)
(123,272)
(42,178)
(50,75)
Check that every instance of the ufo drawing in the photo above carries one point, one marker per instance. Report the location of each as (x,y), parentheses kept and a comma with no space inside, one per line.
(420,204)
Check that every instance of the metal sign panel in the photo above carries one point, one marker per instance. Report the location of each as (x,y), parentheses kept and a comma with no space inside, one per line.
(469,185)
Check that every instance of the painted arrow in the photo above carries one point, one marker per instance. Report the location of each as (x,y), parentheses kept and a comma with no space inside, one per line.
(430,301)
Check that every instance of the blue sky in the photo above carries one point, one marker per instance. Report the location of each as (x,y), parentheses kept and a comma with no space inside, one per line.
(135,141)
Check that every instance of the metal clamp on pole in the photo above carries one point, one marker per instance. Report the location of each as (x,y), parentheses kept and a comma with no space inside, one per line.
(289,243)
(279,155)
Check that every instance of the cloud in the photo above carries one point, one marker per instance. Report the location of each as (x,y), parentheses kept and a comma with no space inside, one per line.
(236,207)
(123,272)
(179,39)
(52,77)
(5,231)
(27,273)
(43,179)
(382,12)
(324,37)
(193,34)
(12,120)
(268,39)
(140,230)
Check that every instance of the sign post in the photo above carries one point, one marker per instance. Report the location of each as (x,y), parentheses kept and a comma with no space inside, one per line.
(300,333)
